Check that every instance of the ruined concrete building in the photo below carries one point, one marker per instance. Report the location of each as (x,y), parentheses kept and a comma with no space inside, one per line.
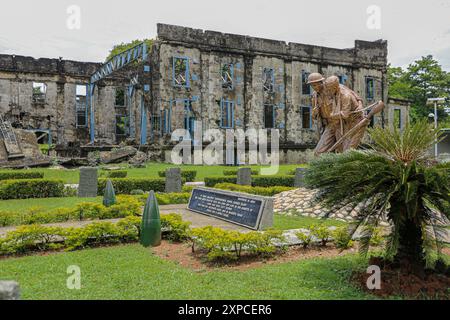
(223,80)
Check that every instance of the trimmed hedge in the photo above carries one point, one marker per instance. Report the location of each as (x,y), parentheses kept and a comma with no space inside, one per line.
(19,175)
(212,181)
(31,188)
(188,175)
(272,181)
(117,174)
(127,185)
(258,181)
(260,191)
(234,172)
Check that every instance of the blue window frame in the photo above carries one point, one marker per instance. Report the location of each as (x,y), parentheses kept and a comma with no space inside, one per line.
(81,106)
(306,112)
(156,122)
(120,97)
(342,78)
(189,118)
(166,122)
(306,88)
(268,80)
(227,114)
(122,125)
(370,88)
(180,72)
(227,75)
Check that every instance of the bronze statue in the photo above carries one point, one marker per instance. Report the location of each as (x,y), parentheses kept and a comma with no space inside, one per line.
(339,114)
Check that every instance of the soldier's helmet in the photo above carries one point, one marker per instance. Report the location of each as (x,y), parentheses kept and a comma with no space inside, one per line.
(315,77)
(332,84)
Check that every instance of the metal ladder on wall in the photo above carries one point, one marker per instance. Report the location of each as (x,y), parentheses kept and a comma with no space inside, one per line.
(10,140)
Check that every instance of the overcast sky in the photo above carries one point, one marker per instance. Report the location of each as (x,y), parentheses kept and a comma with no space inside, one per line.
(39,28)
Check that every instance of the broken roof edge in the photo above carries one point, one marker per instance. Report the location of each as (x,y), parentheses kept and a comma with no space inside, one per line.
(364,52)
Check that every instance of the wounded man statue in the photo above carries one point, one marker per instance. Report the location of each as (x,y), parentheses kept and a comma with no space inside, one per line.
(339,114)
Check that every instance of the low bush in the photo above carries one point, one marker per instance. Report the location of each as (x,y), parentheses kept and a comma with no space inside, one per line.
(260,191)
(376,235)
(305,237)
(32,238)
(93,235)
(127,185)
(322,233)
(258,181)
(179,230)
(342,238)
(19,175)
(42,238)
(222,244)
(188,175)
(187,189)
(31,188)
(234,172)
(167,198)
(172,198)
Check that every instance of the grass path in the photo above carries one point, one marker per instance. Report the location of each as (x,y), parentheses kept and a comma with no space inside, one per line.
(132,272)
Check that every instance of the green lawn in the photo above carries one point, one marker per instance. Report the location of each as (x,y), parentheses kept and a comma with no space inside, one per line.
(132,272)
(46,203)
(296,222)
(72,175)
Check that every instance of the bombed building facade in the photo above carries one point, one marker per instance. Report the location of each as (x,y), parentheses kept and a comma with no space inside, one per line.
(224,81)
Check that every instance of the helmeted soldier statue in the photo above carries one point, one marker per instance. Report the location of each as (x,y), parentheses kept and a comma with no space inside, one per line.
(339,114)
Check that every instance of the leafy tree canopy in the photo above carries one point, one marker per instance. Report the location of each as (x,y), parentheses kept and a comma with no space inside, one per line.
(125,46)
(422,79)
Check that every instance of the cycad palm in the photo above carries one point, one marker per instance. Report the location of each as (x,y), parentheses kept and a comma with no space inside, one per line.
(393,180)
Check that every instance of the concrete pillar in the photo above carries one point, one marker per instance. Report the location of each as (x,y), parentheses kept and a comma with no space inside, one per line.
(244,177)
(173,180)
(88,185)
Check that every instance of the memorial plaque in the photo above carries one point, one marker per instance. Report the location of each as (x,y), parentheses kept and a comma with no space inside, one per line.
(247,210)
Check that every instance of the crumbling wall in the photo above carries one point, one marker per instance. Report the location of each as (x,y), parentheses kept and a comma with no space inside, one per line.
(208,51)
(56,112)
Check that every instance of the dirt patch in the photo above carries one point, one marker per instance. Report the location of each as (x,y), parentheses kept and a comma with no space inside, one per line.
(406,282)
(181,253)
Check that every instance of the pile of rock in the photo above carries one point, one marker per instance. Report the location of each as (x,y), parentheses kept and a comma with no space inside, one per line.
(301,202)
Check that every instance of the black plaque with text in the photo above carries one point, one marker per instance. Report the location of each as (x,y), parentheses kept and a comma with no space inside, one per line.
(238,209)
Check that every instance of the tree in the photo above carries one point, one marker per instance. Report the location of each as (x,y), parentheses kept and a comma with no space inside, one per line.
(422,79)
(125,46)
(393,178)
